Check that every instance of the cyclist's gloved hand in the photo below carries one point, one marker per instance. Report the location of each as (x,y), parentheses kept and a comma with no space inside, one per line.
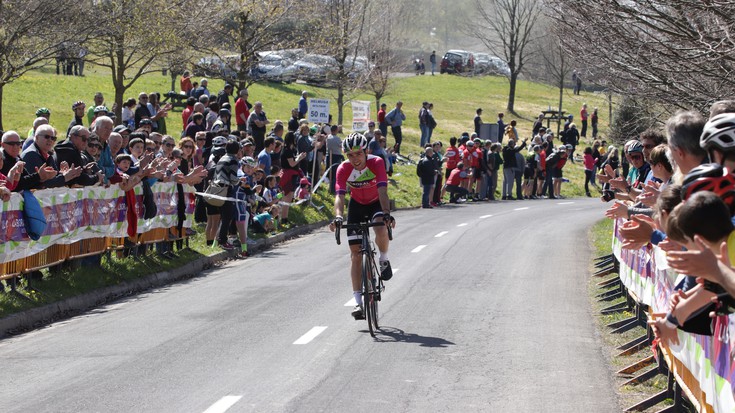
(336,223)
(389,220)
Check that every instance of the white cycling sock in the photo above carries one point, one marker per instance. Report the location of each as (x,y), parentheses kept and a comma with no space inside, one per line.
(358,297)
(383,256)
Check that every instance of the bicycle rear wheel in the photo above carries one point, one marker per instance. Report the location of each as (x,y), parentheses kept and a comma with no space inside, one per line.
(375,294)
(369,304)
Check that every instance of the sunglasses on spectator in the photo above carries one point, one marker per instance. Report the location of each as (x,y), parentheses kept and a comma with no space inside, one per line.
(150,149)
(12,143)
(84,138)
(49,137)
(94,145)
(169,145)
(636,157)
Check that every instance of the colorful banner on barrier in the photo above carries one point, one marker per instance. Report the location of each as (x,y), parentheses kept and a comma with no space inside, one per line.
(92,212)
(709,360)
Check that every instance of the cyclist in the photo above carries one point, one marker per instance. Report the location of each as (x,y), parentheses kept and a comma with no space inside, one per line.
(367,181)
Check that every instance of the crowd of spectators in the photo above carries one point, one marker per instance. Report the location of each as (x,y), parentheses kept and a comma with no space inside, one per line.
(679,194)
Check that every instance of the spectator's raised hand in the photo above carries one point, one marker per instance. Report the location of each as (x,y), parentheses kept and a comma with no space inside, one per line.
(664,331)
(669,245)
(72,173)
(619,183)
(4,193)
(603,178)
(617,210)
(699,261)
(46,173)
(63,167)
(637,231)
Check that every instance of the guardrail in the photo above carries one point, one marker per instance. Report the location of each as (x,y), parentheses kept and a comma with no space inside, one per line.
(90,221)
(701,368)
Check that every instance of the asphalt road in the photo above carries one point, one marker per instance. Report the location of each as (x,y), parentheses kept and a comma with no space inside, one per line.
(488,311)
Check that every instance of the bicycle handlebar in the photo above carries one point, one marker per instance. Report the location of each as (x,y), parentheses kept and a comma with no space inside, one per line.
(361,226)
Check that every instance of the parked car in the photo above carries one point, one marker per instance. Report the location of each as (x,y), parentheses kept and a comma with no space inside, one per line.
(500,67)
(314,68)
(274,67)
(457,61)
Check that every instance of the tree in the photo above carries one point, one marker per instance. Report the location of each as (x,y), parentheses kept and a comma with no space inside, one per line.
(248,27)
(380,41)
(507,28)
(673,52)
(340,34)
(131,36)
(31,32)
(556,67)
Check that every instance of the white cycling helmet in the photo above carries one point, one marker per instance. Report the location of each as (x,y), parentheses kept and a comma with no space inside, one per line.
(719,133)
(354,142)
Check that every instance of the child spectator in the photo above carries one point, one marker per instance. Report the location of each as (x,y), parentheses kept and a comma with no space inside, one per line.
(304,191)
(589,169)
(263,222)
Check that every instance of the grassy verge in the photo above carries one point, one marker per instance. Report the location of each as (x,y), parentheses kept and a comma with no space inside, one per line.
(600,238)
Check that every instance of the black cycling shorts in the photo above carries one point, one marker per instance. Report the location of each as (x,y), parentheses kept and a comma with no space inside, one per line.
(356,213)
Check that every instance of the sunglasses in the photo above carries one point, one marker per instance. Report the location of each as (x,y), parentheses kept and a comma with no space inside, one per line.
(94,145)
(150,149)
(12,143)
(636,157)
(49,137)
(169,145)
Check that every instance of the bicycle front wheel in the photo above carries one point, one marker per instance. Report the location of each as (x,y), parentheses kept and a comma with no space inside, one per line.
(369,304)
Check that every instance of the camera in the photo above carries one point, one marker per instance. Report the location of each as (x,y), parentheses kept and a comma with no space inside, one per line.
(608,195)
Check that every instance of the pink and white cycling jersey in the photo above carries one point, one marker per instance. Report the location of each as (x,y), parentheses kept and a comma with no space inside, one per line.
(363,185)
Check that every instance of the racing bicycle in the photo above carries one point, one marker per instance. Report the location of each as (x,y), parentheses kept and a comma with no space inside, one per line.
(372,284)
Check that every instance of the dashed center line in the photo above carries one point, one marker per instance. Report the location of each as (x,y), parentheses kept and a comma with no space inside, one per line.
(464,224)
(223,404)
(485,216)
(310,335)
(419,248)
(520,209)
(564,203)
(441,234)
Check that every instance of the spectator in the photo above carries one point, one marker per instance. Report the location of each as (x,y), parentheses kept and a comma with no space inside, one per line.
(538,124)
(486,160)
(472,160)
(70,152)
(478,121)
(683,131)
(185,83)
(453,185)
(529,173)
(501,127)
(431,119)
(572,139)
(12,162)
(584,115)
(99,100)
(290,172)
(128,116)
(187,112)
(426,171)
(36,123)
(424,123)
(382,123)
(78,109)
(432,60)
(510,163)
(92,153)
(141,111)
(293,122)
(226,175)
(264,157)
(158,113)
(196,125)
(334,154)
(395,119)
(242,111)
(303,105)
(256,126)
(223,97)
(589,169)
(593,122)
(38,156)
(219,127)
(436,198)
(201,90)
(518,174)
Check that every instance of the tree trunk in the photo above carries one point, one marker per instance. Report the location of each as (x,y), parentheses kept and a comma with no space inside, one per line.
(561,99)
(512,92)
(1,106)
(340,102)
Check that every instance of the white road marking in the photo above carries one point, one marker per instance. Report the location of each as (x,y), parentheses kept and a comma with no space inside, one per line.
(223,404)
(520,209)
(464,224)
(485,216)
(564,203)
(419,248)
(310,335)
(441,234)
